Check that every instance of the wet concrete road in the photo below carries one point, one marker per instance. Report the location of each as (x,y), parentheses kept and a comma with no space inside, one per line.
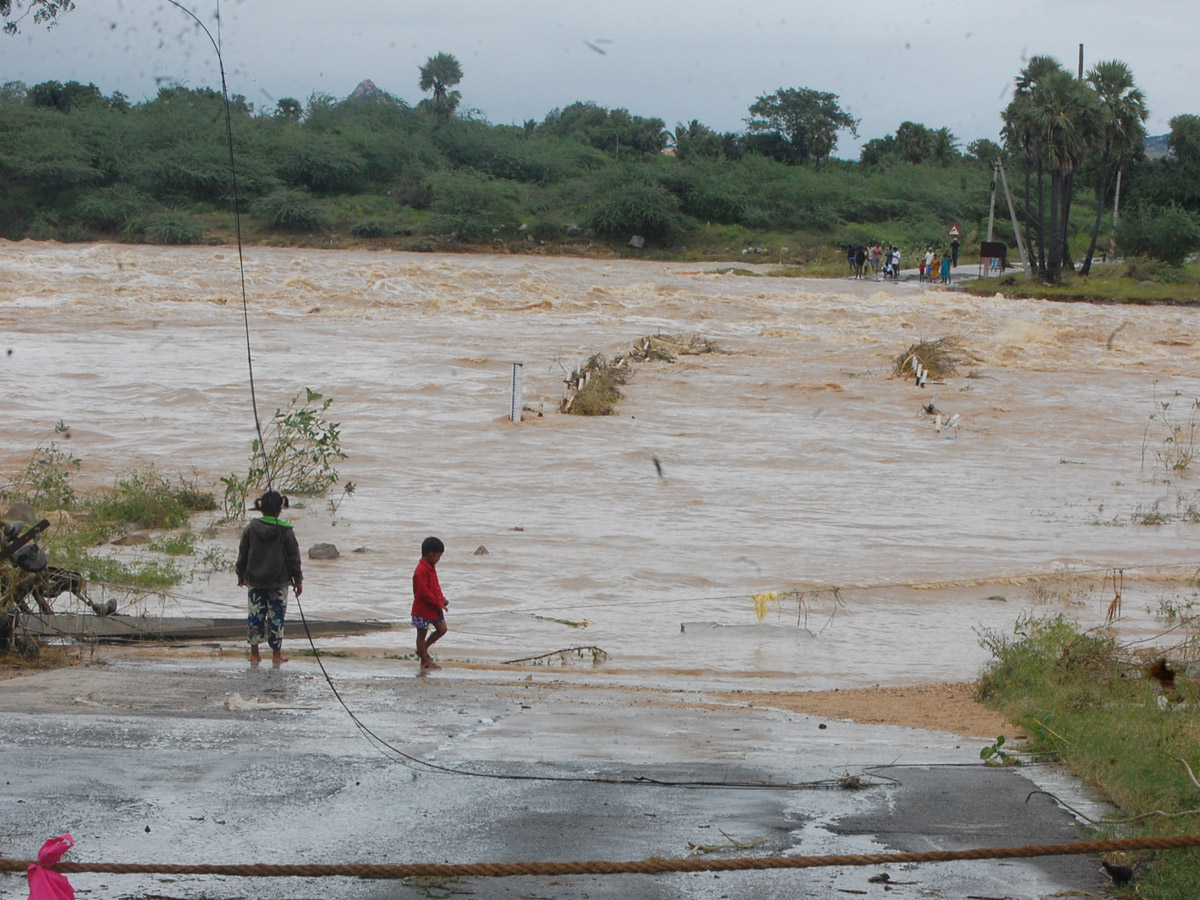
(204,760)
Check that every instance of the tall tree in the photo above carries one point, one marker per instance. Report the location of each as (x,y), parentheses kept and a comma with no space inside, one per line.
(1019,135)
(1122,112)
(806,120)
(1183,165)
(44,12)
(1065,122)
(439,74)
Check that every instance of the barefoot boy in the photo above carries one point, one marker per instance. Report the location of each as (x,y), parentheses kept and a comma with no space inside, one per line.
(429,604)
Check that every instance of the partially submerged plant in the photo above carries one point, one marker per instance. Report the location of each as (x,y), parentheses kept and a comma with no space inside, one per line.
(45,482)
(941,357)
(594,389)
(301,448)
(147,499)
(1172,434)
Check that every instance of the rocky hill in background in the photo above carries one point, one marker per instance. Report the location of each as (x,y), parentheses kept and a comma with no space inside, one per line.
(1156,146)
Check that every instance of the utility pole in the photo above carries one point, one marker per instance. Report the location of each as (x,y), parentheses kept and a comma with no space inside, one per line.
(1081,62)
(1012,214)
(1112,237)
(992,208)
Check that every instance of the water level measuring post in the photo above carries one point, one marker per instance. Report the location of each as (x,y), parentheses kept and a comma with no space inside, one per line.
(514,412)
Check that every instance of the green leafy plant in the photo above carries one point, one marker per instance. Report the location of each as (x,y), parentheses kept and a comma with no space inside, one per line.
(1172,434)
(147,499)
(173,227)
(45,482)
(1168,233)
(290,209)
(182,544)
(299,456)
(996,755)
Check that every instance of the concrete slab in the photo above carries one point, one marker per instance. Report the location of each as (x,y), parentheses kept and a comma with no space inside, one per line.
(205,760)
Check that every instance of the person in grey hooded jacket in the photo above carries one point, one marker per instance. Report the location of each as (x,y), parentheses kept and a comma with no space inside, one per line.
(268,561)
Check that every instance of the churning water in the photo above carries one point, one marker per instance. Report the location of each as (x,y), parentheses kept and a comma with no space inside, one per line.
(792,460)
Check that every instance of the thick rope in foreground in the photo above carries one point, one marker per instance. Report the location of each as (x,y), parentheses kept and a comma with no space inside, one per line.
(600,867)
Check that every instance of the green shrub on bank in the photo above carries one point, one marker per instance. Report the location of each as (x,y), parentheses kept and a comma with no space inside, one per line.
(141,499)
(1083,700)
(374,228)
(470,207)
(112,208)
(172,227)
(1146,269)
(147,499)
(638,207)
(46,481)
(291,209)
(1169,233)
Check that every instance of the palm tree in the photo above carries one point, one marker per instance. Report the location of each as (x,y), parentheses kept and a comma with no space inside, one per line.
(1019,134)
(1064,119)
(1122,110)
(439,74)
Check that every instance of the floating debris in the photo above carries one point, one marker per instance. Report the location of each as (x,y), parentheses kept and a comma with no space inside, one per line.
(598,656)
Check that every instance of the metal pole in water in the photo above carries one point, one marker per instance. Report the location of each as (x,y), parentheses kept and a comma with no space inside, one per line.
(514,412)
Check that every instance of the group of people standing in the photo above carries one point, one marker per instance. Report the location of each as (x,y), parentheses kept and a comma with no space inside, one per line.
(874,259)
(268,564)
(936,266)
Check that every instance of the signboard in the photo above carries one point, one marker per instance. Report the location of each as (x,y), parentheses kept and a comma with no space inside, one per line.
(954,232)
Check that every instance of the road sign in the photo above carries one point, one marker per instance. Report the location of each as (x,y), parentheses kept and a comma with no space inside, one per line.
(954,232)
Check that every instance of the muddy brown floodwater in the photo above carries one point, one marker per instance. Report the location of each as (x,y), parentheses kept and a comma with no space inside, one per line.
(791,461)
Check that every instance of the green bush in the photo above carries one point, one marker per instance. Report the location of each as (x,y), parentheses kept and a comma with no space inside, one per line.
(545,231)
(478,146)
(45,482)
(1141,268)
(638,207)
(321,162)
(302,446)
(472,207)
(1168,233)
(374,228)
(291,210)
(146,499)
(172,227)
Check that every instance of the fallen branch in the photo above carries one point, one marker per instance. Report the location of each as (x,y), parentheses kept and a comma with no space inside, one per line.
(598,655)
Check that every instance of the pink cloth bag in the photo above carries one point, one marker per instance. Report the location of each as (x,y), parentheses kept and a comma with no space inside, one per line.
(45,884)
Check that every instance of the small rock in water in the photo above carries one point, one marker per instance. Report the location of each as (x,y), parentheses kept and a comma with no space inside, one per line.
(362,550)
(323,551)
(481,550)
(20,512)
(999,597)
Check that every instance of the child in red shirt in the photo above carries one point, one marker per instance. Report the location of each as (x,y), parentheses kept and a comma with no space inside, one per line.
(429,603)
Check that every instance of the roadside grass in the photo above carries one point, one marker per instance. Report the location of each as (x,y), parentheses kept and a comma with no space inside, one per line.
(1084,701)
(143,498)
(148,499)
(1136,282)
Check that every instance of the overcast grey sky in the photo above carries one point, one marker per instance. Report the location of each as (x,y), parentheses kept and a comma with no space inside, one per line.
(937,62)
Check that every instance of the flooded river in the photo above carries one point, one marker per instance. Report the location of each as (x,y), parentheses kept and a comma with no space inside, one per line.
(792,460)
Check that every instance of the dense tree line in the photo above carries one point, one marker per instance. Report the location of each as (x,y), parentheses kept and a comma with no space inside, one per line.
(76,165)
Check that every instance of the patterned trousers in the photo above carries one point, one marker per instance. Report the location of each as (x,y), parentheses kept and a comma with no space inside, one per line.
(266,608)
